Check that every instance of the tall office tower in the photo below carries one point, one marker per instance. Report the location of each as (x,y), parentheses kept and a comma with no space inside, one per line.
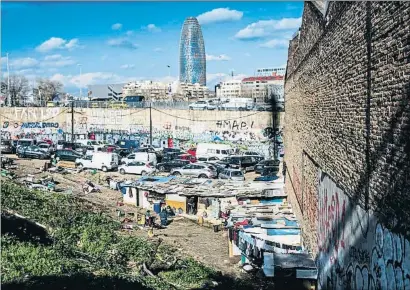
(192,59)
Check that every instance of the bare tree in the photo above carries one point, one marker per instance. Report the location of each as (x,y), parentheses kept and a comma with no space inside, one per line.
(19,88)
(47,89)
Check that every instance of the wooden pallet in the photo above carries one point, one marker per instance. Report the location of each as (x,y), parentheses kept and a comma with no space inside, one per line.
(66,164)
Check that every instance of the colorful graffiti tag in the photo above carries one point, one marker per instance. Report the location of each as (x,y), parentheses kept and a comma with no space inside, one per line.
(355,251)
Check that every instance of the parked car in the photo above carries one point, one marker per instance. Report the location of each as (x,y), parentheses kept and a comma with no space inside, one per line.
(220,167)
(169,165)
(247,163)
(32,152)
(6,147)
(210,159)
(188,157)
(266,164)
(101,160)
(171,150)
(169,156)
(257,156)
(199,105)
(67,155)
(232,174)
(46,147)
(192,151)
(137,167)
(198,170)
(26,142)
(140,156)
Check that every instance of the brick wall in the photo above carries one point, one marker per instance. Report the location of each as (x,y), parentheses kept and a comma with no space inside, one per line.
(347,130)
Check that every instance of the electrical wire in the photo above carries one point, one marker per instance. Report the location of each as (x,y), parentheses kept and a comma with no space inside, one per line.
(177,117)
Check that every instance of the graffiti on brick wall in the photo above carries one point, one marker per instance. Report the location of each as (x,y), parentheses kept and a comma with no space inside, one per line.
(310,204)
(355,251)
(234,125)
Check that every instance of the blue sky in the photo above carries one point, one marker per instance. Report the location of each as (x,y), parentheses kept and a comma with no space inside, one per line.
(123,41)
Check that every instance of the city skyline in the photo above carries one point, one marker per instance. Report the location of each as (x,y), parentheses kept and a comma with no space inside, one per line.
(121,42)
(192,57)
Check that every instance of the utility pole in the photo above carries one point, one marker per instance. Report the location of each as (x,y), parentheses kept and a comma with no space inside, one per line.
(150,123)
(72,120)
(169,71)
(8,82)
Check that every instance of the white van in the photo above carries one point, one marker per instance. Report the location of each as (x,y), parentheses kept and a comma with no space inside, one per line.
(100,160)
(213,150)
(89,142)
(141,156)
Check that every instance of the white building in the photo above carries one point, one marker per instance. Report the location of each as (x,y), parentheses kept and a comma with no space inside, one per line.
(192,91)
(274,71)
(257,87)
(150,90)
(157,91)
(229,89)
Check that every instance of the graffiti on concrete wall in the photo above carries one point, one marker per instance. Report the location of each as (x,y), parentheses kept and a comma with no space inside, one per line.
(104,117)
(234,125)
(35,114)
(29,125)
(355,251)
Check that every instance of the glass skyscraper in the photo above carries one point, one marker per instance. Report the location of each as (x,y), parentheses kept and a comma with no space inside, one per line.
(192,60)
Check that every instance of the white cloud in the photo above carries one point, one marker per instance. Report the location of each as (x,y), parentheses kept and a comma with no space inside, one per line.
(116,26)
(152,28)
(127,66)
(129,32)
(247,54)
(57,60)
(222,57)
(59,78)
(264,28)
(90,78)
(20,63)
(122,42)
(158,49)
(219,15)
(57,43)
(276,43)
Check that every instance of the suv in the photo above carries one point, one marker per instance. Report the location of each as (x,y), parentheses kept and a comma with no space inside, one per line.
(67,155)
(232,174)
(195,169)
(266,164)
(6,146)
(247,163)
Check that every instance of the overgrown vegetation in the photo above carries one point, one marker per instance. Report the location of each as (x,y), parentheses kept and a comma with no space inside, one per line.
(83,243)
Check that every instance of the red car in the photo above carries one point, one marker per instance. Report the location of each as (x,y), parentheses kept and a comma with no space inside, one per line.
(188,157)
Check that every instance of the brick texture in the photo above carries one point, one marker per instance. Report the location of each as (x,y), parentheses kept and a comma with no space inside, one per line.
(347,92)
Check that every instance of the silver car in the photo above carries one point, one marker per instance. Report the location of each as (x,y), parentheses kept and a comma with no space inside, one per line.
(232,174)
(195,169)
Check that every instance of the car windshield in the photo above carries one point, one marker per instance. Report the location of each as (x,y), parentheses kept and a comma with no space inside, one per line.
(94,142)
(236,173)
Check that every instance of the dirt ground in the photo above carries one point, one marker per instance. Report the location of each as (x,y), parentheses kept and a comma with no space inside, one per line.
(201,243)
